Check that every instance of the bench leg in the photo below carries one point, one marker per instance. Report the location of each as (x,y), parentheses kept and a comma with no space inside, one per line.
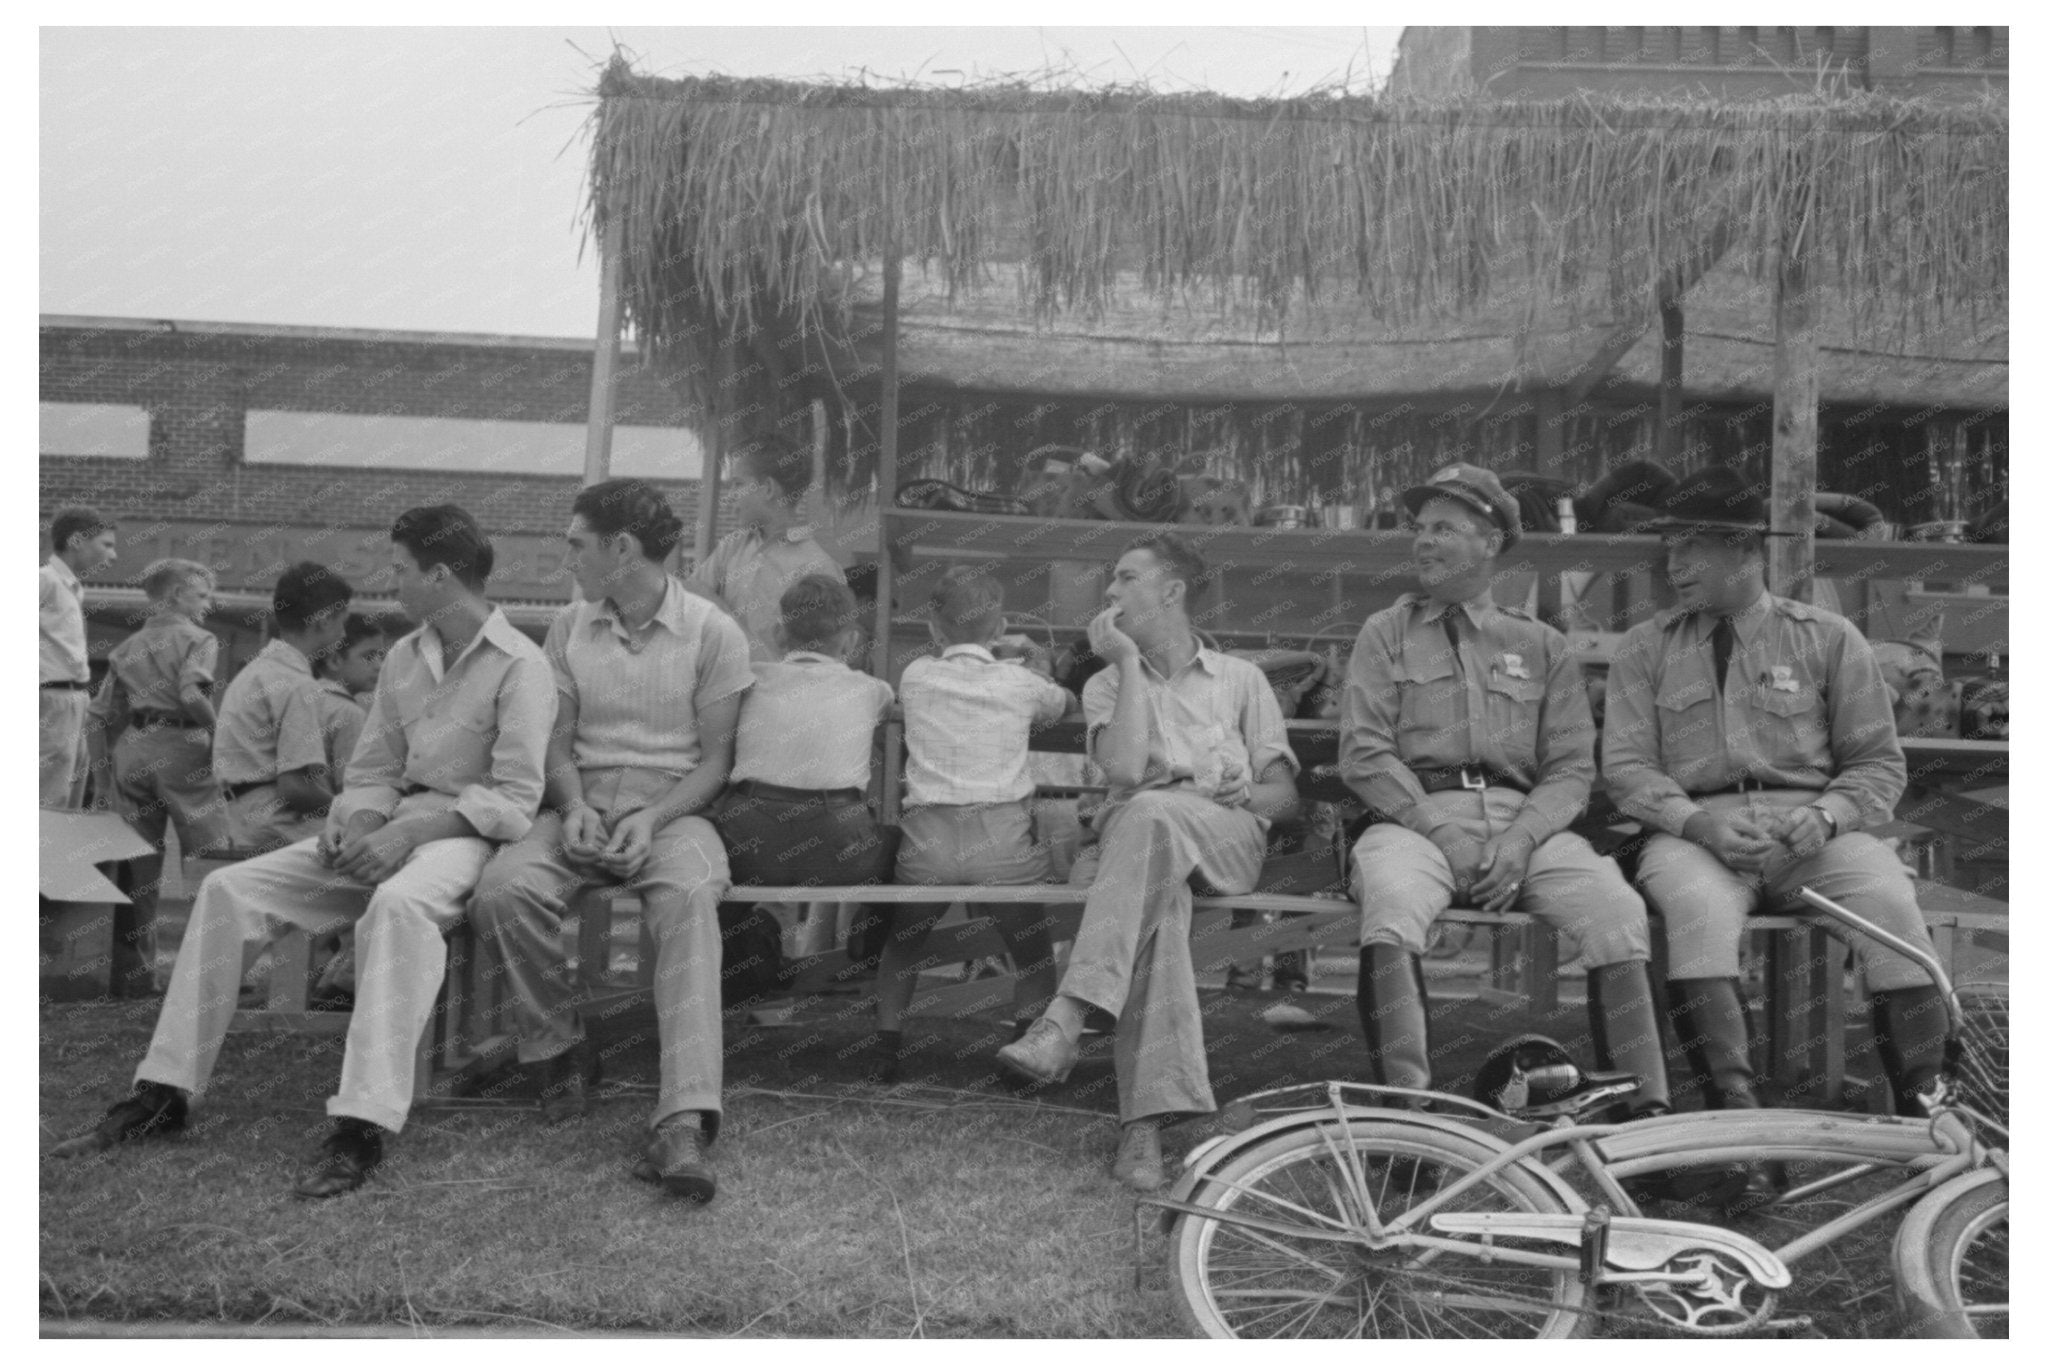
(291,969)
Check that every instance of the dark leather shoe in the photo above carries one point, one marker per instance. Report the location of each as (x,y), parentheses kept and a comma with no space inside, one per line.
(347,1157)
(887,1067)
(565,1081)
(678,1159)
(151,1111)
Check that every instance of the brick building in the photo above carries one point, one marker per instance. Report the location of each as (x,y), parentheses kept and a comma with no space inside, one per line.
(249,447)
(1502,62)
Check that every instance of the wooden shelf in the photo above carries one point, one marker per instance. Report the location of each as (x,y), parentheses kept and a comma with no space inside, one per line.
(964,535)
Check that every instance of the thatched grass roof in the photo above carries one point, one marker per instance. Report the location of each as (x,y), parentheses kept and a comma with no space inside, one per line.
(753,214)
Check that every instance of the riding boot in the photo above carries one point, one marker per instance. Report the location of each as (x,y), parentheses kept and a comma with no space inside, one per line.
(1912,1028)
(1712,1026)
(1625,1035)
(1393,1008)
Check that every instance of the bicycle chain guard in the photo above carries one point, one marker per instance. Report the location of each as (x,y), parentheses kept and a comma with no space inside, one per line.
(1720,1301)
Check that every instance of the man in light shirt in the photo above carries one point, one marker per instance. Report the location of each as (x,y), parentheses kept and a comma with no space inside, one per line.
(449,766)
(81,544)
(648,680)
(750,569)
(1199,768)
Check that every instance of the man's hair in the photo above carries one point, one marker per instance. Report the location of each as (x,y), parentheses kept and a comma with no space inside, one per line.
(307,590)
(968,605)
(815,610)
(445,534)
(76,521)
(165,576)
(780,461)
(635,506)
(1176,556)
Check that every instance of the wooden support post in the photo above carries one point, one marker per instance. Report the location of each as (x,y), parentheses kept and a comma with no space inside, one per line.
(1671,385)
(707,502)
(1795,424)
(885,490)
(1550,433)
(597,441)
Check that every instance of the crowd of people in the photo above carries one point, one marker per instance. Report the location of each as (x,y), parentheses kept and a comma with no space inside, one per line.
(679,735)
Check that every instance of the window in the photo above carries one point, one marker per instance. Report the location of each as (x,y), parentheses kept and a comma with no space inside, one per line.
(471,445)
(116,430)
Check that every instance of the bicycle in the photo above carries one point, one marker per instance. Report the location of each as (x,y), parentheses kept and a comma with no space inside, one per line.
(1350,1212)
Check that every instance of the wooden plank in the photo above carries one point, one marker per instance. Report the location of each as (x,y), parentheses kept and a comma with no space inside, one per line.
(885,478)
(1953,813)
(1386,554)
(1671,384)
(1795,427)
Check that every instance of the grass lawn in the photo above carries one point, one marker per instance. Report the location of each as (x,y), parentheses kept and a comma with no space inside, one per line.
(944,1208)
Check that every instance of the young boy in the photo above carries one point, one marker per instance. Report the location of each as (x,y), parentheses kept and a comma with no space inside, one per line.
(269,752)
(967,718)
(154,701)
(347,677)
(794,814)
(752,567)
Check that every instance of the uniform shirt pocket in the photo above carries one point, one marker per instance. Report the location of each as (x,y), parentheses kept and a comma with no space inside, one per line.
(1512,708)
(1429,687)
(1791,724)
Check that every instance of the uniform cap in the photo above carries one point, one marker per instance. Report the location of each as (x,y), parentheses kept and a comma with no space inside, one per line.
(1477,488)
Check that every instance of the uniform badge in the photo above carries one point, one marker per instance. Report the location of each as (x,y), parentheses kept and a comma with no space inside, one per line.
(1514,667)
(1782,679)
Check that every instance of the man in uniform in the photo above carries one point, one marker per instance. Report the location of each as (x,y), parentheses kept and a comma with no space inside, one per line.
(1754,734)
(1467,734)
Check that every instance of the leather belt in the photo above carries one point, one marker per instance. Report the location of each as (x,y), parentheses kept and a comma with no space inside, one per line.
(66,685)
(163,720)
(1740,787)
(769,791)
(1466,777)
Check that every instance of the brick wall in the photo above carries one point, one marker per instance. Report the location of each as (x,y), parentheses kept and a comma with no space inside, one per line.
(198,382)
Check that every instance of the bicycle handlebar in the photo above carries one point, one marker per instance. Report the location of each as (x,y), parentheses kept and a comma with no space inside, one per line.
(1912,952)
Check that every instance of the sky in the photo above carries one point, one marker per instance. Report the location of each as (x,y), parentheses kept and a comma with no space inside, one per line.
(432,179)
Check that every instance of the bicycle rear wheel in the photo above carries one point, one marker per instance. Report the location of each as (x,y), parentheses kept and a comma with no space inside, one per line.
(1950,1260)
(1240,1281)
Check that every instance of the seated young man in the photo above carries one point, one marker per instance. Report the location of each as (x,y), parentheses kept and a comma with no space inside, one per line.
(649,679)
(967,719)
(269,751)
(1199,768)
(449,766)
(348,678)
(156,703)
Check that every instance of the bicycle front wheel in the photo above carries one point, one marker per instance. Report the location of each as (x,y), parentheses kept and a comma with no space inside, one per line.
(1950,1260)
(1237,1280)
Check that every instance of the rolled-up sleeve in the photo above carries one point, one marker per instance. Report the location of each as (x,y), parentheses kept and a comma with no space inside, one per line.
(556,648)
(196,670)
(1370,711)
(1263,727)
(1564,750)
(724,667)
(501,807)
(1870,767)
(1631,750)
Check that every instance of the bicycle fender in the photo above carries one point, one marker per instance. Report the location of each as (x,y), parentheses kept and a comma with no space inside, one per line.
(1634,1244)
(1207,1156)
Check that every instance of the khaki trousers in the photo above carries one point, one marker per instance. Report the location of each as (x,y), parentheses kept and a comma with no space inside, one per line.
(1402,882)
(60,750)
(1704,901)
(1132,955)
(399,946)
(518,911)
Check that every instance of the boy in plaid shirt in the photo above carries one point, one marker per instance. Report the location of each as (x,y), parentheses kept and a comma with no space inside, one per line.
(967,720)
